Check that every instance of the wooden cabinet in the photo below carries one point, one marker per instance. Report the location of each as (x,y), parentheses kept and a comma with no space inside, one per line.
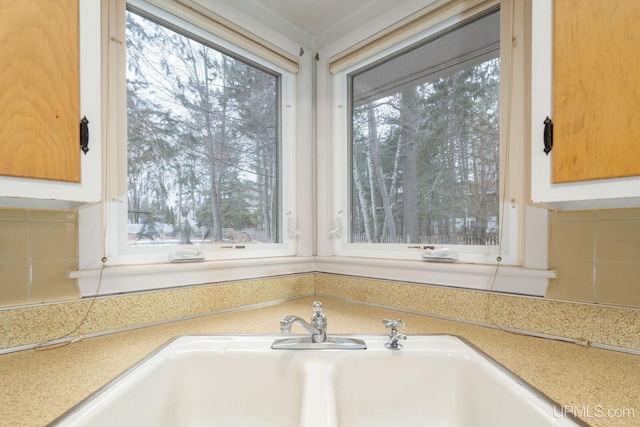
(585,56)
(39,87)
(596,89)
(50,77)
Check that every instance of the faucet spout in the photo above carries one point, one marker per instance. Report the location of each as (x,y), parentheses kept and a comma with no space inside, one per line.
(317,328)
(288,321)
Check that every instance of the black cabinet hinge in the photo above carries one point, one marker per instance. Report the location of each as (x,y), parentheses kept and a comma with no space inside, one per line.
(548,135)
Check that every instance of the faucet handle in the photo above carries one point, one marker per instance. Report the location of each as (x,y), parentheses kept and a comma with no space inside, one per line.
(394,324)
(317,306)
(319,319)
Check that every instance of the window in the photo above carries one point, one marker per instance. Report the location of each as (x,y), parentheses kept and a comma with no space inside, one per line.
(201,151)
(425,140)
(202,140)
(439,100)
(429,139)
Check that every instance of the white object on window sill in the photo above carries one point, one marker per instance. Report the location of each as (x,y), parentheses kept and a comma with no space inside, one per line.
(186,255)
(440,255)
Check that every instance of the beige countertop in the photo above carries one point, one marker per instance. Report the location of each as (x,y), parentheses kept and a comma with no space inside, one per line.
(39,385)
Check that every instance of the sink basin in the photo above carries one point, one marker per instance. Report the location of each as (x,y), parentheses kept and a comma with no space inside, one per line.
(199,381)
(436,382)
(218,380)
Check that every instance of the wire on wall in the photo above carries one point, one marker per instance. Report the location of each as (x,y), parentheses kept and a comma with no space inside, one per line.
(504,182)
(71,337)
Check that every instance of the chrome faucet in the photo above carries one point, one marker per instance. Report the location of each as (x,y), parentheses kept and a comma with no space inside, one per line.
(318,339)
(317,328)
(394,335)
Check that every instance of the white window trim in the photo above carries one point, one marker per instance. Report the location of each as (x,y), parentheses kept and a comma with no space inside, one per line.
(131,268)
(523,265)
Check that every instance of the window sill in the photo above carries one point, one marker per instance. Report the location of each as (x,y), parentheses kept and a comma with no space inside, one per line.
(511,279)
(135,278)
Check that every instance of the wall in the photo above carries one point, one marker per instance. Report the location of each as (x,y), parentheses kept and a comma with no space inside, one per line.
(37,249)
(597,256)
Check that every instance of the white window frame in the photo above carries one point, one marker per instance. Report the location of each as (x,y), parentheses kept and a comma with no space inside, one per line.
(129,268)
(523,262)
(124,253)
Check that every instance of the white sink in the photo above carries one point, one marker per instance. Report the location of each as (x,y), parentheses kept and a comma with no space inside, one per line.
(218,380)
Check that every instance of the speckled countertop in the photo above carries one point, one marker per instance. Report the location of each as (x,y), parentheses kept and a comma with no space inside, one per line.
(39,385)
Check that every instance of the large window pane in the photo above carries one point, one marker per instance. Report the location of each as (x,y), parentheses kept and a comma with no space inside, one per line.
(425,141)
(202,130)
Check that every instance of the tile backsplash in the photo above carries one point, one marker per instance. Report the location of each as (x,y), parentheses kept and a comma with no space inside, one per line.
(597,256)
(37,249)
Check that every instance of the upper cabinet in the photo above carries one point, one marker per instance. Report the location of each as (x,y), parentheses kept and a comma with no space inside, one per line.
(49,79)
(40,83)
(585,58)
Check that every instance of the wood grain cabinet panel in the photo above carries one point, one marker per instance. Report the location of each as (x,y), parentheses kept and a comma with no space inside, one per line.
(39,89)
(596,89)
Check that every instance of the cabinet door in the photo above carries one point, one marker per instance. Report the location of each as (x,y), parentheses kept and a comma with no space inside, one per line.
(596,89)
(39,89)
(589,193)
